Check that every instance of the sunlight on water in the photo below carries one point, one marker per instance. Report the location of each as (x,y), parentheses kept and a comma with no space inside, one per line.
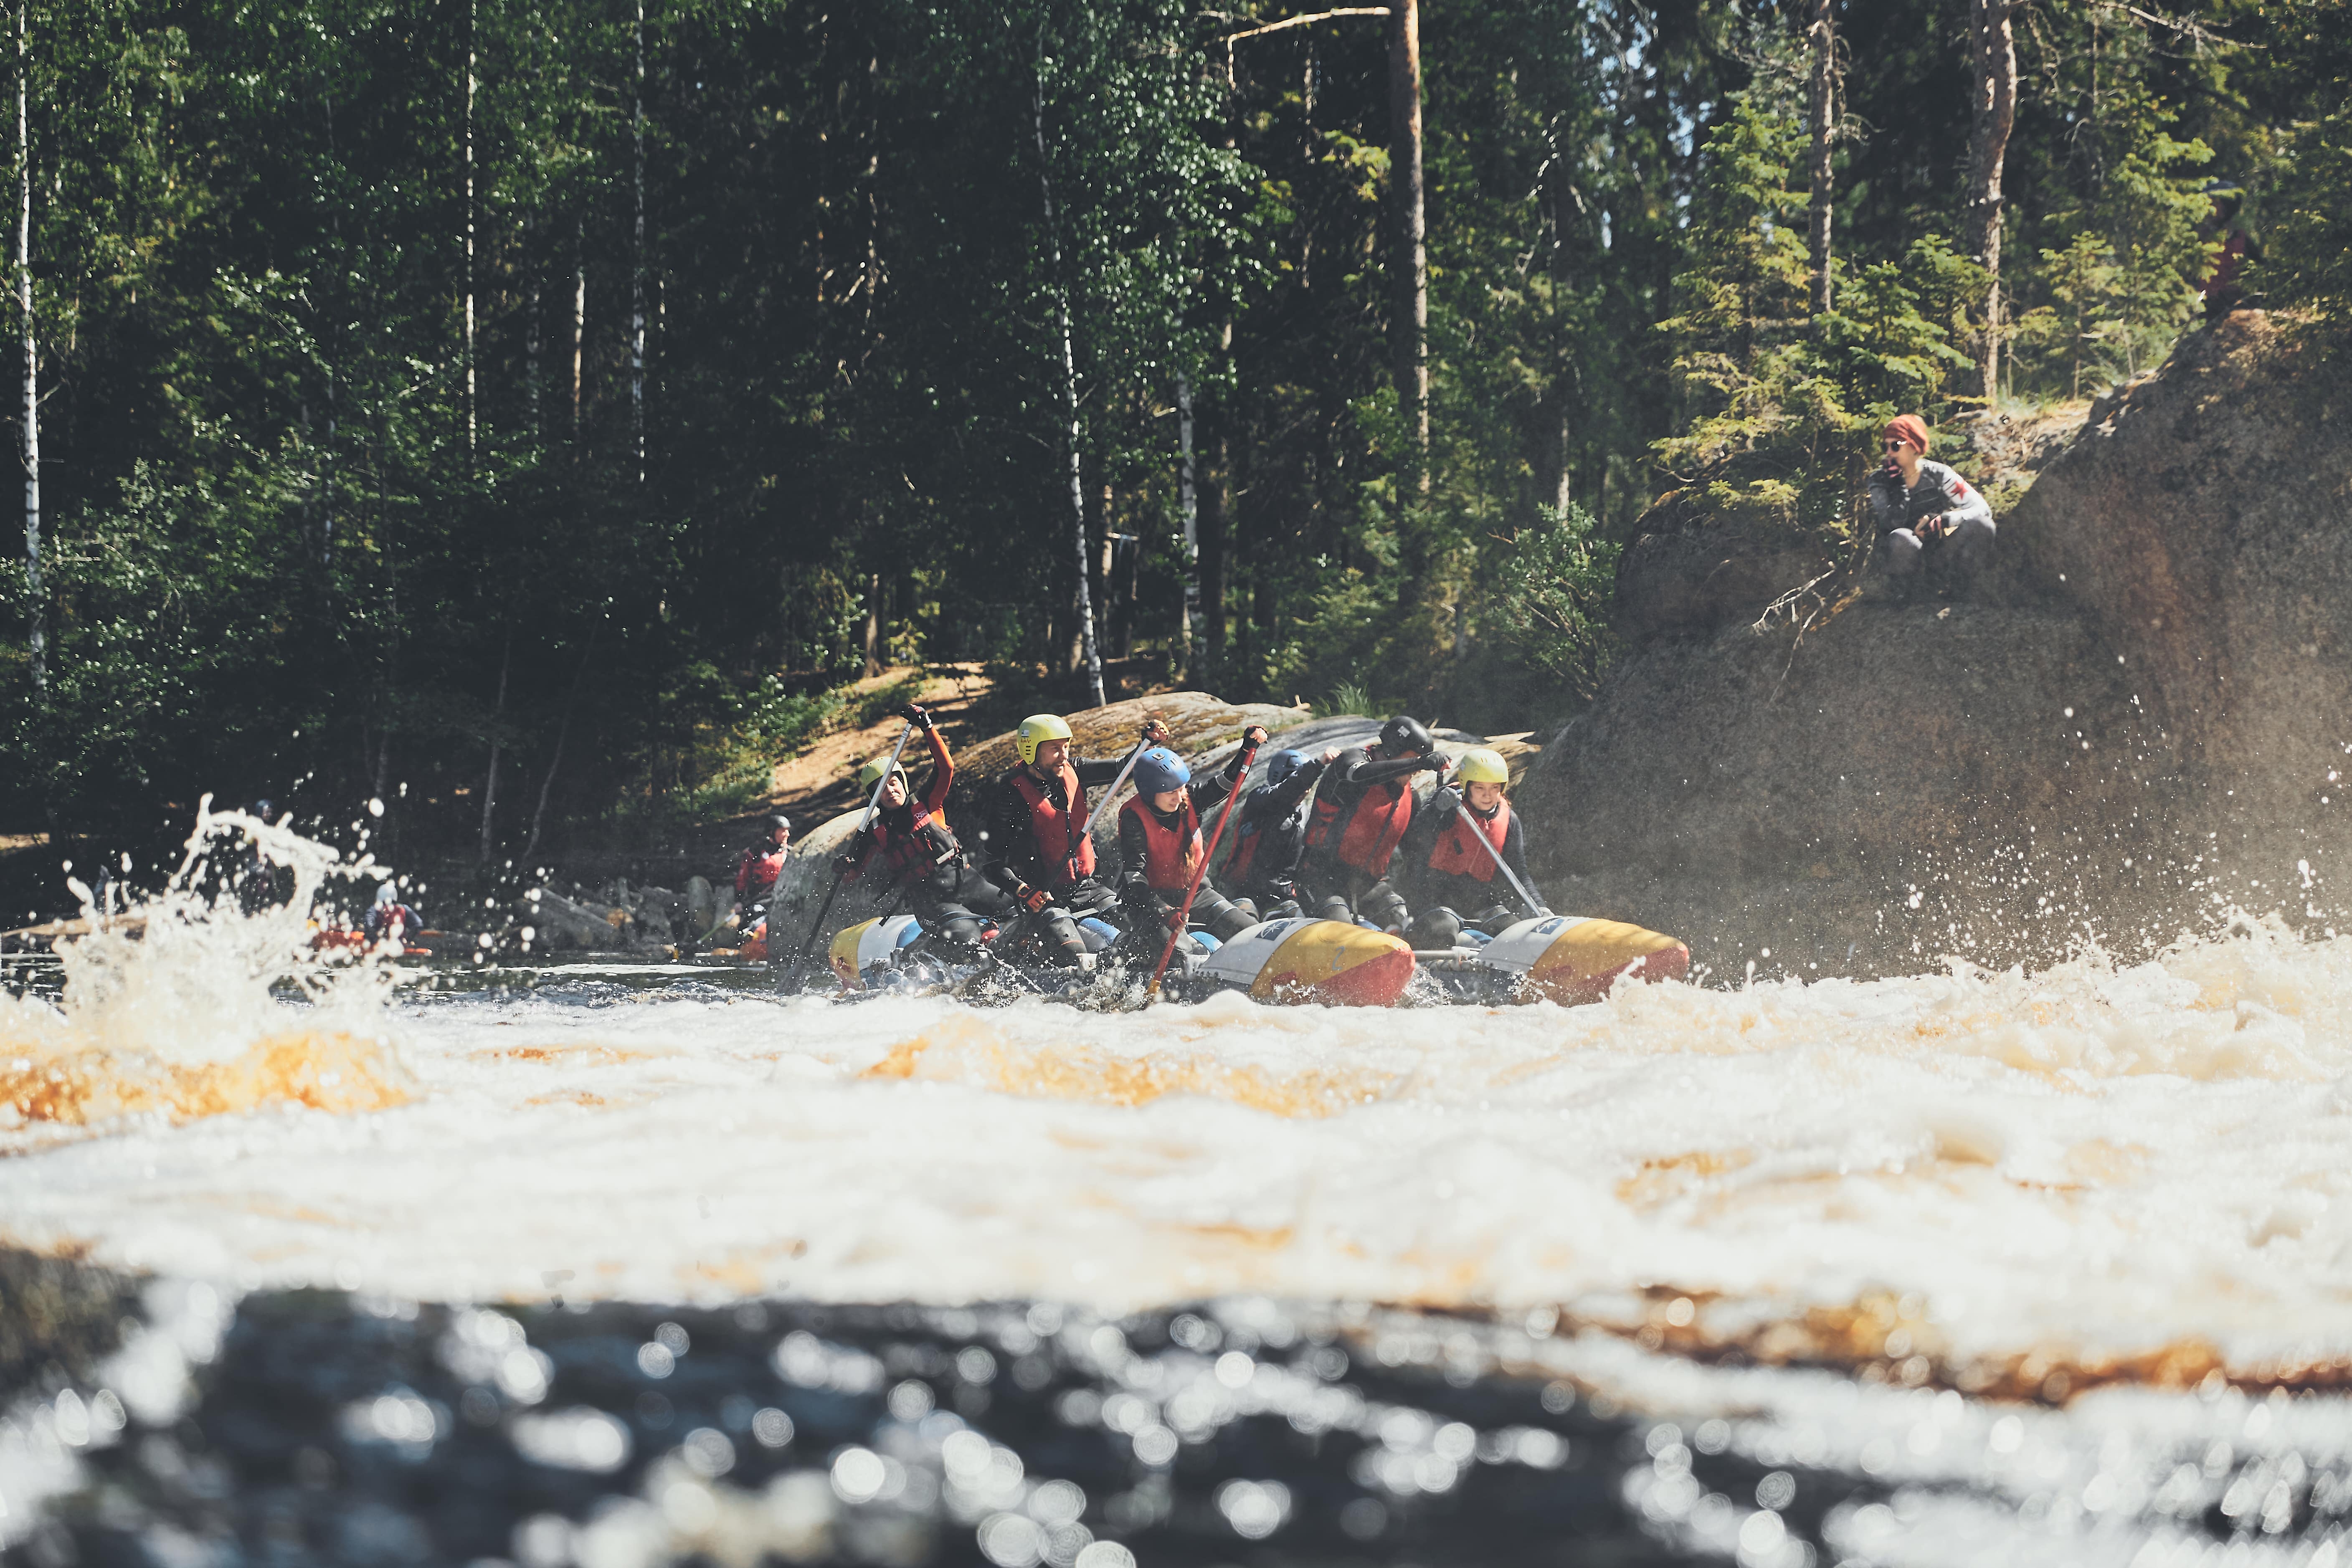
(2096,1173)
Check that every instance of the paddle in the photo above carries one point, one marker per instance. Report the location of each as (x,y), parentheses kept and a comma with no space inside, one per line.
(791,980)
(1184,914)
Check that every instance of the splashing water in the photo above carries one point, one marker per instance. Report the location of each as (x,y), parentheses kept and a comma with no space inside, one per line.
(193,1006)
(1808,1214)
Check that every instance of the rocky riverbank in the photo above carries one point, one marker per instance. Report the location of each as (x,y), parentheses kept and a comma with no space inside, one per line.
(2132,726)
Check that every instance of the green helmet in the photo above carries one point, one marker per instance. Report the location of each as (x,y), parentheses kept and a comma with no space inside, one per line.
(1480,765)
(871,773)
(1039,727)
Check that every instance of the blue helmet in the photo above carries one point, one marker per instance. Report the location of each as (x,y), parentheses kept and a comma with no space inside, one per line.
(1282,764)
(1159,770)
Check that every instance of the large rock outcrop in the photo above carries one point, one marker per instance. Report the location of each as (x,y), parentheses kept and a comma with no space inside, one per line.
(2132,724)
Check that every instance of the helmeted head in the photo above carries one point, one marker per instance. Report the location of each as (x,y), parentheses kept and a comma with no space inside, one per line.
(1160,774)
(1282,764)
(1483,774)
(265,809)
(386,894)
(894,793)
(1480,765)
(1405,736)
(780,829)
(1040,730)
(2226,197)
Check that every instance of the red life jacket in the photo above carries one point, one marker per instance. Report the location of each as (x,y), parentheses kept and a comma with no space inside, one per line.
(926,844)
(1064,851)
(1457,852)
(758,872)
(1170,855)
(1372,829)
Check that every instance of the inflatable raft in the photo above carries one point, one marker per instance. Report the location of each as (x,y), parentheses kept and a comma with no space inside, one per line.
(1566,959)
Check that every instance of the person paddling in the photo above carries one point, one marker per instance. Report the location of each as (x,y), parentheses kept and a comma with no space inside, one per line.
(1270,834)
(1918,503)
(1457,874)
(1039,851)
(761,863)
(1361,812)
(1160,846)
(919,854)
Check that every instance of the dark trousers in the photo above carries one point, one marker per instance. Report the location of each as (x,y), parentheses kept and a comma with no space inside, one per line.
(1335,892)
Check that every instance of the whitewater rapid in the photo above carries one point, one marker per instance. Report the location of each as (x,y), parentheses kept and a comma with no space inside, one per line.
(2093,1172)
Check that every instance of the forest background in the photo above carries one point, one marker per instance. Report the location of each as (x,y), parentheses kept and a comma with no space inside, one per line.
(531,415)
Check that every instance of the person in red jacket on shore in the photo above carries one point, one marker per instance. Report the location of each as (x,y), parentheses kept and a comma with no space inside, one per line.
(913,851)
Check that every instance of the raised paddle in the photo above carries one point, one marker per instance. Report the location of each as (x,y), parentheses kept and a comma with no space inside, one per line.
(792,978)
(1185,914)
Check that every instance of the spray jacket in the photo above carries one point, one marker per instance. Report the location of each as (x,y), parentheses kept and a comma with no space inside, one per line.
(1362,811)
(1455,869)
(1270,833)
(1939,492)
(1159,851)
(912,838)
(1036,829)
(756,872)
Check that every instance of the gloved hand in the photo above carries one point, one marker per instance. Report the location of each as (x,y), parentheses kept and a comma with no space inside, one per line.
(918,716)
(1035,899)
(1254,737)
(1156,734)
(847,861)
(1435,762)
(1931,527)
(1446,800)
(1174,919)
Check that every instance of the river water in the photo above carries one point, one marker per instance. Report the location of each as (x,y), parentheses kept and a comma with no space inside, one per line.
(615,1265)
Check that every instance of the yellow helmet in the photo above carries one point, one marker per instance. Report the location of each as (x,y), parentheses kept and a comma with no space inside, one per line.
(1480,765)
(1035,728)
(871,773)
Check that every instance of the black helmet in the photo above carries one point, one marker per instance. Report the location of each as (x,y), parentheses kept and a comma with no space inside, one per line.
(1405,733)
(780,821)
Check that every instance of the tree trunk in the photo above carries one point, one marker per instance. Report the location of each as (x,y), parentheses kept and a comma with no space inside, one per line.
(1822,38)
(1412,236)
(470,421)
(1077,428)
(498,723)
(1188,503)
(1993,111)
(1213,535)
(562,731)
(637,257)
(871,638)
(579,317)
(37,642)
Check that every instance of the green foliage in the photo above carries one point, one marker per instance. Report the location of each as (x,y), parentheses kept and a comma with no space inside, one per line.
(1780,406)
(2309,263)
(1551,597)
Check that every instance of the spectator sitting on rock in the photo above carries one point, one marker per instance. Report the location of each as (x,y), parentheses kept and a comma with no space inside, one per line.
(1917,503)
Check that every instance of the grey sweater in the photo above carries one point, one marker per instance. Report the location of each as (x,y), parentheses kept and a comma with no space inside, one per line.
(1940,492)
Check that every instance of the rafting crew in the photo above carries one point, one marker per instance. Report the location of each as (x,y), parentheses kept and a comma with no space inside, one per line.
(919,857)
(1270,834)
(1458,878)
(1362,810)
(1161,846)
(1039,851)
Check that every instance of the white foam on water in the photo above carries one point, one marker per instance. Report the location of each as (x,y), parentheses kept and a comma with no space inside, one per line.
(2091,1161)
